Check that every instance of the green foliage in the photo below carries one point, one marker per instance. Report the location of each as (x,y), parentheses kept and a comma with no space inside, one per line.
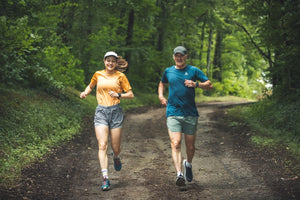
(63,66)
(277,36)
(22,52)
(32,123)
(54,44)
(100,42)
(141,99)
(57,49)
(274,122)
(18,52)
(201,98)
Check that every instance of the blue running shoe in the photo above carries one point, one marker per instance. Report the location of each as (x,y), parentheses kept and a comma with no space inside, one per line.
(105,185)
(117,164)
(187,171)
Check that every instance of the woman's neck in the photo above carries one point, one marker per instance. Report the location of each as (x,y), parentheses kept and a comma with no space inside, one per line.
(110,71)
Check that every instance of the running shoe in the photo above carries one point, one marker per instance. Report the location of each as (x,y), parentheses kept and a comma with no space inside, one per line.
(180,181)
(105,185)
(187,172)
(117,164)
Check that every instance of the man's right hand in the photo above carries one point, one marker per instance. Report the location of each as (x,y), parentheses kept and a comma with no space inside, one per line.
(163,101)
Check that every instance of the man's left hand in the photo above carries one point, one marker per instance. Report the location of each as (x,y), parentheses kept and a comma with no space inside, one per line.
(189,83)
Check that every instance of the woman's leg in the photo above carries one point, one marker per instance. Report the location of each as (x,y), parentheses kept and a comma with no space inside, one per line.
(102,132)
(115,136)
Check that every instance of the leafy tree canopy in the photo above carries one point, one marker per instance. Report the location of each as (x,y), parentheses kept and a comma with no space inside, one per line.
(241,45)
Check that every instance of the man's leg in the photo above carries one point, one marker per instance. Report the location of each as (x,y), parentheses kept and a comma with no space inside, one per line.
(190,147)
(190,151)
(175,138)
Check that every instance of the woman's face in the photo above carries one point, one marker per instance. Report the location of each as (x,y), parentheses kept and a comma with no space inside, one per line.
(110,63)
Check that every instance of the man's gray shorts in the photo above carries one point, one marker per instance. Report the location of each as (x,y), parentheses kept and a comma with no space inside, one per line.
(183,124)
(111,116)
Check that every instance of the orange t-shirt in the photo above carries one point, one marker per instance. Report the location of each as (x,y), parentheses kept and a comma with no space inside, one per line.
(116,82)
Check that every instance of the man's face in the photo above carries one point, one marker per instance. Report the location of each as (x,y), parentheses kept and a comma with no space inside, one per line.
(179,59)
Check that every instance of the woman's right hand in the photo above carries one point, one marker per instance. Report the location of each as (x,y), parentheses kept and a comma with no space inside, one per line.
(83,95)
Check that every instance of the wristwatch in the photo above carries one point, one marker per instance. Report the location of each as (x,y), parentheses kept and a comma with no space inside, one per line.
(197,84)
(119,95)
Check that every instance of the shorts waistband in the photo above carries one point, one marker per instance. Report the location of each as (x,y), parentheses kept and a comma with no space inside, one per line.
(108,107)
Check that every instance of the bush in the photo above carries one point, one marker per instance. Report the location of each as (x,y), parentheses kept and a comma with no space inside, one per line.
(32,123)
(275,122)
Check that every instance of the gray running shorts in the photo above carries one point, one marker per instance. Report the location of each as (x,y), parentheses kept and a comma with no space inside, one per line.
(183,124)
(111,116)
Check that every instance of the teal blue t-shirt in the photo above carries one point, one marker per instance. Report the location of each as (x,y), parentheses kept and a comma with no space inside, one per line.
(181,100)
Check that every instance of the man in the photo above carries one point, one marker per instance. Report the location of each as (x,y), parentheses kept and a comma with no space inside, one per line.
(182,115)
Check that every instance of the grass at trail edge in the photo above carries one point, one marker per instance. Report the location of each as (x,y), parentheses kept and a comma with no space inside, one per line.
(34,122)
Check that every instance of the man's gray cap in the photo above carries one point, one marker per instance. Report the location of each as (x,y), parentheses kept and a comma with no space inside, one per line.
(181,50)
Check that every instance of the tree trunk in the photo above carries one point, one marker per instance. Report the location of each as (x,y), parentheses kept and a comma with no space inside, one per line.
(202,39)
(161,26)
(129,35)
(217,69)
(208,58)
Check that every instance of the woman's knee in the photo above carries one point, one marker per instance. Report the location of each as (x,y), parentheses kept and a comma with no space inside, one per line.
(116,148)
(102,146)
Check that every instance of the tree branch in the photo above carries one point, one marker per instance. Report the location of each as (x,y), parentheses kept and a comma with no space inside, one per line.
(252,41)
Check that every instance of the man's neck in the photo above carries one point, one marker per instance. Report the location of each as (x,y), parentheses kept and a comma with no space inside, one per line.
(180,67)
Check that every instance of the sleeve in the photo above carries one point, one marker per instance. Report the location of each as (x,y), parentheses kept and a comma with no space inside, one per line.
(200,75)
(164,78)
(93,80)
(125,85)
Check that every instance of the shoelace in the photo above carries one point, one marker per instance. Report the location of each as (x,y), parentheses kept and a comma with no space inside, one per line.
(104,182)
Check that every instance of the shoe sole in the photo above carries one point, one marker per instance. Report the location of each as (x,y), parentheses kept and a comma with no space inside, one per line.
(118,169)
(184,172)
(180,182)
(105,188)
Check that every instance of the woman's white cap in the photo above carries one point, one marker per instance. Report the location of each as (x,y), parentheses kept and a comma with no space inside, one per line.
(111,53)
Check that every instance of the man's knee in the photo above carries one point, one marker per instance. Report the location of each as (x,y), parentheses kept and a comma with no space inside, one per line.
(176,144)
(190,147)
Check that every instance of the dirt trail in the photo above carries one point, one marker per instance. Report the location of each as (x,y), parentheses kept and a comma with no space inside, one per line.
(221,170)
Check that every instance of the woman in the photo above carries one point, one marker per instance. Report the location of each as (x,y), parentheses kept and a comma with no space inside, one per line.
(109,115)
